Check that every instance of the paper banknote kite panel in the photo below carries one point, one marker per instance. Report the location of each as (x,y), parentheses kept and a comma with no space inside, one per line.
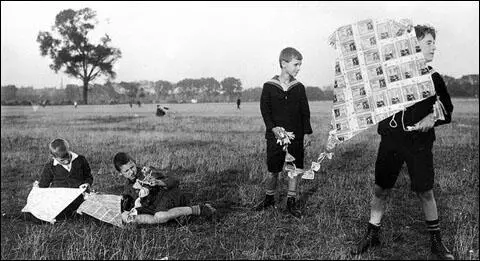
(379,70)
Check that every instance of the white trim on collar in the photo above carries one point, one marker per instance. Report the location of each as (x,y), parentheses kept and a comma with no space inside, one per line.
(69,166)
(276,82)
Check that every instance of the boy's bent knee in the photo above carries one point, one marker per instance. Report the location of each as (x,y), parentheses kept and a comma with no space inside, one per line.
(381,192)
(426,195)
(273,175)
(161,217)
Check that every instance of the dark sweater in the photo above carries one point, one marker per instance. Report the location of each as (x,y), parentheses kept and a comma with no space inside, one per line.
(159,198)
(58,176)
(418,111)
(288,109)
(128,189)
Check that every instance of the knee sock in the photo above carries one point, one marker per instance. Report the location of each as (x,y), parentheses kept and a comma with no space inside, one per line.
(195,210)
(433,227)
(271,184)
(291,193)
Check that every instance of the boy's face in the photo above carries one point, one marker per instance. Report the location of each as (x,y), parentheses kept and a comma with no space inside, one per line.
(292,67)
(63,157)
(129,170)
(427,44)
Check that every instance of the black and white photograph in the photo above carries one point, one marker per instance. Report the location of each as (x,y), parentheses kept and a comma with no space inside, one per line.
(239,130)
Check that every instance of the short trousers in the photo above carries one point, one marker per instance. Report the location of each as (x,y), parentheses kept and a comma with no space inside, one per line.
(394,151)
(163,200)
(276,155)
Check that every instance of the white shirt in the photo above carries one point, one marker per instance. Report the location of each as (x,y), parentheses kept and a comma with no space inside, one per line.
(68,167)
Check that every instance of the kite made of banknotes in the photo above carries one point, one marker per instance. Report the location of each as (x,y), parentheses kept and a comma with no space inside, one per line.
(379,71)
(46,203)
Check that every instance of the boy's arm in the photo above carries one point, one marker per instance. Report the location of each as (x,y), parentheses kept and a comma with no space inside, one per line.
(129,190)
(266,108)
(441,90)
(305,110)
(164,180)
(46,176)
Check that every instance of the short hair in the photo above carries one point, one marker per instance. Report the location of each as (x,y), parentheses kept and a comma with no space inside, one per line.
(59,147)
(288,54)
(422,30)
(121,159)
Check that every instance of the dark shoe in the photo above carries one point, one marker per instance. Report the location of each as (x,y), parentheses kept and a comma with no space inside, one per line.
(370,239)
(268,202)
(292,209)
(439,249)
(207,210)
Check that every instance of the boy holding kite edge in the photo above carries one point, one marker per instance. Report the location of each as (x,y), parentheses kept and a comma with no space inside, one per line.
(412,145)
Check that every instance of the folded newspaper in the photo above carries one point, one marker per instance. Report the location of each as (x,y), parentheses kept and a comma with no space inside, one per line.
(103,207)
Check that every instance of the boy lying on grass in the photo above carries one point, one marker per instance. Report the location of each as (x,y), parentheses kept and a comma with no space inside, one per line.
(152,197)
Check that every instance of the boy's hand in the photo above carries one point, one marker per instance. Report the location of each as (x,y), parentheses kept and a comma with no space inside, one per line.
(143,192)
(158,182)
(278,132)
(84,186)
(306,142)
(425,124)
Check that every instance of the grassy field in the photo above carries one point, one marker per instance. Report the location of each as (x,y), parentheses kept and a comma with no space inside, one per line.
(218,152)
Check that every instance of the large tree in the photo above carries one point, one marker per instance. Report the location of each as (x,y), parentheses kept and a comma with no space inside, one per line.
(231,86)
(69,47)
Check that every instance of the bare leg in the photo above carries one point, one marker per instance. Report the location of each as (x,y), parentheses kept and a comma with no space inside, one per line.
(161,216)
(378,205)
(272,181)
(429,205)
(292,186)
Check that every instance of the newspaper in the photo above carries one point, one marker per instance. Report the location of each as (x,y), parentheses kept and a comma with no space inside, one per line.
(104,207)
(379,70)
(47,203)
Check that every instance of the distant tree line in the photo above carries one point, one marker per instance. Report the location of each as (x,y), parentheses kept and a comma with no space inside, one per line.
(185,91)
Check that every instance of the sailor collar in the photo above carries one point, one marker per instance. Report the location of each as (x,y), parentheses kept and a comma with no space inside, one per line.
(276,82)
(68,167)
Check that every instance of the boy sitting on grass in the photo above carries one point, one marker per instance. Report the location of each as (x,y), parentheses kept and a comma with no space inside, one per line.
(66,169)
(152,197)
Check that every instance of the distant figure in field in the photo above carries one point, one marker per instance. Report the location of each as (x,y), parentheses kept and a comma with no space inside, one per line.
(284,104)
(151,196)
(139,104)
(161,110)
(44,103)
(238,103)
(131,104)
(66,169)
(34,106)
(75,104)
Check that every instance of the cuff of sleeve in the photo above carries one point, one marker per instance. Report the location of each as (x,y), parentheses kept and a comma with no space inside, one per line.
(270,126)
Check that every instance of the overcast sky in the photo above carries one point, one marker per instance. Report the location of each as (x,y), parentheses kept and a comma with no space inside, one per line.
(176,40)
